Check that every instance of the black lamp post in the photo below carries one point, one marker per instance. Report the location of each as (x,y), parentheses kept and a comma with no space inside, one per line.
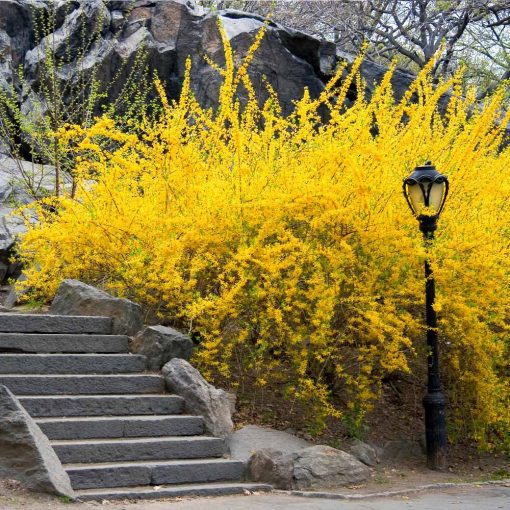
(425,191)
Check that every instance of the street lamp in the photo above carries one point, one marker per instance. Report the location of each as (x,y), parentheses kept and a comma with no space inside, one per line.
(425,191)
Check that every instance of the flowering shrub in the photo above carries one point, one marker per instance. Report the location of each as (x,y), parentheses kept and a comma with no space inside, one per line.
(285,246)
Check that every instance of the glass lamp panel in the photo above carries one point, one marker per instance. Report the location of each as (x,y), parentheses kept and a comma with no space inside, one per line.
(416,197)
(436,196)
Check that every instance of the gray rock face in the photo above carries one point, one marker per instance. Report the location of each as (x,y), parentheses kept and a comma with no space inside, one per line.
(365,452)
(160,344)
(77,298)
(201,397)
(316,467)
(25,452)
(14,175)
(271,466)
(247,440)
(13,295)
(169,31)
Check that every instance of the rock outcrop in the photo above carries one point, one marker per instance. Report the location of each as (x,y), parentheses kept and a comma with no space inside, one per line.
(366,453)
(16,179)
(76,298)
(201,398)
(316,467)
(160,344)
(169,32)
(26,453)
(251,438)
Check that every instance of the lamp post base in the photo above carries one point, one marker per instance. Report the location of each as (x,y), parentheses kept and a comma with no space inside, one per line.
(435,430)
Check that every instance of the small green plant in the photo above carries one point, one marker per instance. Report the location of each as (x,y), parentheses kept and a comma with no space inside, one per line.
(34,304)
(381,479)
(500,474)
(65,86)
(65,499)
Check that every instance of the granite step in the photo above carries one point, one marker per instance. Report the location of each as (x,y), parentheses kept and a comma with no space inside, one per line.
(71,363)
(171,491)
(41,323)
(120,450)
(83,384)
(118,435)
(62,343)
(128,474)
(101,405)
(89,427)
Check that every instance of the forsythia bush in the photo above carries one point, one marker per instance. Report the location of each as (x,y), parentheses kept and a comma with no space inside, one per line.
(285,246)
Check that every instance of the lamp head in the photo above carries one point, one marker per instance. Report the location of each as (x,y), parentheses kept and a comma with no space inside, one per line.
(425,191)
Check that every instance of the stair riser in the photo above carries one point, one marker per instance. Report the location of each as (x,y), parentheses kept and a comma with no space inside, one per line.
(171,426)
(40,343)
(83,385)
(131,476)
(176,492)
(70,364)
(100,406)
(17,323)
(119,452)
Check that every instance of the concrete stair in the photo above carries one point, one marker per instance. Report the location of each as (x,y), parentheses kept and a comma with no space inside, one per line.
(116,431)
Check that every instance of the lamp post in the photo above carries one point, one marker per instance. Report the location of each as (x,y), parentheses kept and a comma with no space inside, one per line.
(425,191)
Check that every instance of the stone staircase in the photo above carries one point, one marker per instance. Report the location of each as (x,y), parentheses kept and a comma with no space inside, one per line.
(116,432)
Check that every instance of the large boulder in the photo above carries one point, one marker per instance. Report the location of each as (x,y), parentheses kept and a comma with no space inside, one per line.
(77,298)
(160,344)
(316,467)
(201,398)
(26,453)
(251,438)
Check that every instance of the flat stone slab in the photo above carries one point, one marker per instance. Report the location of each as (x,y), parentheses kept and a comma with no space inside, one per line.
(70,363)
(244,442)
(119,450)
(64,343)
(171,491)
(99,405)
(24,323)
(83,384)
(125,474)
(121,426)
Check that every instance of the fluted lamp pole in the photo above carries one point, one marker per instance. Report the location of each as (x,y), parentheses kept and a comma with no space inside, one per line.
(425,191)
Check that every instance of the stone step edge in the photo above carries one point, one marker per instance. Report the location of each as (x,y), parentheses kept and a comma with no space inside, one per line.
(53,316)
(63,343)
(98,396)
(133,440)
(149,463)
(41,355)
(169,491)
(76,376)
(133,417)
(60,336)
(19,323)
